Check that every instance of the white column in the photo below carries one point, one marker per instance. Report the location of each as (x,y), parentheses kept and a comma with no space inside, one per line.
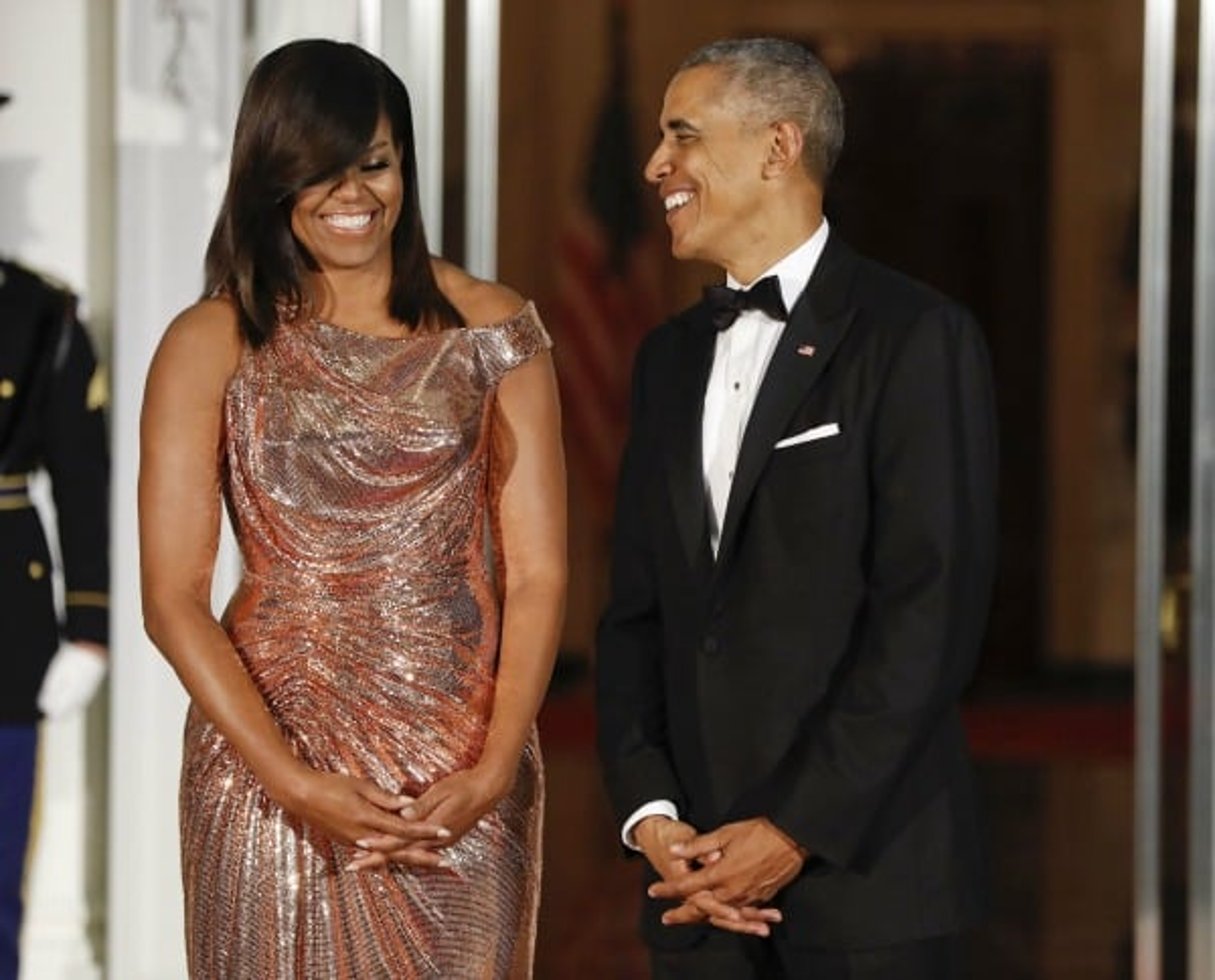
(481,147)
(412,44)
(178,75)
(1159,41)
(49,159)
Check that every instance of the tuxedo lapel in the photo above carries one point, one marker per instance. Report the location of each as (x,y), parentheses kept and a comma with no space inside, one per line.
(817,323)
(685,470)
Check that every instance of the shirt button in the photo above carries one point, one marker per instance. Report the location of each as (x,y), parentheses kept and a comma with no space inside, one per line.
(7,388)
(710,645)
(737,385)
(36,570)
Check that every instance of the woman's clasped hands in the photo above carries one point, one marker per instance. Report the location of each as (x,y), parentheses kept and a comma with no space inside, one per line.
(436,819)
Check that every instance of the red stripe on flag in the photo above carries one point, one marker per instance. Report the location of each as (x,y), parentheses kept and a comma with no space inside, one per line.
(598,325)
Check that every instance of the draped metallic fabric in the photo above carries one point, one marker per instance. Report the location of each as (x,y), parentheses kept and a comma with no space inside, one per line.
(357,472)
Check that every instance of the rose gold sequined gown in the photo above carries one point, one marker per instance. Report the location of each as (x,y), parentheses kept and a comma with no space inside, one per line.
(357,475)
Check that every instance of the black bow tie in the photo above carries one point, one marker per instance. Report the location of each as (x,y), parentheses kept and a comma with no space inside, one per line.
(725,304)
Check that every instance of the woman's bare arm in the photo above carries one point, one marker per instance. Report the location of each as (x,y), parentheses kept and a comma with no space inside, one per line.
(532,512)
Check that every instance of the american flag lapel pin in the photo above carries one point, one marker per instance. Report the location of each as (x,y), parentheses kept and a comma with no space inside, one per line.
(806,350)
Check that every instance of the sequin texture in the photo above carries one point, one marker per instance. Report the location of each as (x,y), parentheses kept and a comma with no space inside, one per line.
(357,473)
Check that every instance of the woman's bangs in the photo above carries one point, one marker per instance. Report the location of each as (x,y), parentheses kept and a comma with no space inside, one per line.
(334,125)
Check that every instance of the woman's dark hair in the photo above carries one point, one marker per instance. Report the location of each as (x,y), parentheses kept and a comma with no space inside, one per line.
(309,111)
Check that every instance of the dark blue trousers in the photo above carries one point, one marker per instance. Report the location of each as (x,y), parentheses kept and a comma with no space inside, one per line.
(17,750)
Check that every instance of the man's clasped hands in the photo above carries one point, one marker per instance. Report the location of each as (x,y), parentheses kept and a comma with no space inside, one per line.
(727,877)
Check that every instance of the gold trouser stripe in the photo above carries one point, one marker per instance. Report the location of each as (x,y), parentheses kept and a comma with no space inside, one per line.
(87,599)
(9,480)
(14,502)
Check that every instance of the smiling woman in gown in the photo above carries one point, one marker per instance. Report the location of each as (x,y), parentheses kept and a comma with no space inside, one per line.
(361,789)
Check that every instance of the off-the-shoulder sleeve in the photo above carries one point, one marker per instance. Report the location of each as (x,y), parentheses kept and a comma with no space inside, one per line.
(507,344)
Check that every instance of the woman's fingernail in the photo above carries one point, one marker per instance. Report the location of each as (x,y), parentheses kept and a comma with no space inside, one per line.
(365,843)
(408,812)
(443,833)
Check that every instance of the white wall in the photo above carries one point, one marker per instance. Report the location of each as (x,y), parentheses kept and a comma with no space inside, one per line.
(44,149)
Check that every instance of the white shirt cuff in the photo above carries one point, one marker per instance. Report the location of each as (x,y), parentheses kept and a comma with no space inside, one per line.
(655,808)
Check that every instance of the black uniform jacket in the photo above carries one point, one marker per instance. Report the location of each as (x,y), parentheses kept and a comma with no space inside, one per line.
(811,673)
(52,397)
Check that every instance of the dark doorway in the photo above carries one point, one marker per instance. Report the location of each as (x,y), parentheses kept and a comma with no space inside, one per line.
(944,175)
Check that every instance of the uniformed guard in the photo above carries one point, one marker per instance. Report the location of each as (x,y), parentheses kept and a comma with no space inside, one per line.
(52,397)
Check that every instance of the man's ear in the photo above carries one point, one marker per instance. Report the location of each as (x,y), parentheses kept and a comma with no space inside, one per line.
(785,145)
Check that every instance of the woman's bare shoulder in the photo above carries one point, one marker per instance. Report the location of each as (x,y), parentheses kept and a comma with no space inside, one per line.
(203,343)
(479,301)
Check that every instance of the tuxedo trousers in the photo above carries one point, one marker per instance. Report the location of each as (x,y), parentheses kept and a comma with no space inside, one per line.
(726,956)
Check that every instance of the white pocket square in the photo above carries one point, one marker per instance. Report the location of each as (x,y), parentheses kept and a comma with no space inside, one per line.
(825,431)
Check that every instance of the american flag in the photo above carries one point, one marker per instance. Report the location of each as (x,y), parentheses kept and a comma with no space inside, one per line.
(606,295)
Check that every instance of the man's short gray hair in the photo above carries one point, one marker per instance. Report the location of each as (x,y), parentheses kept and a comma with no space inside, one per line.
(783,81)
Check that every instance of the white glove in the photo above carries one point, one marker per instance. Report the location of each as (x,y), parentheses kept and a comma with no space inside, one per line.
(71,680)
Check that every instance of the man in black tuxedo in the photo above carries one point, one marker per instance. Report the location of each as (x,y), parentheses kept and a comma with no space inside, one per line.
(802,560)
